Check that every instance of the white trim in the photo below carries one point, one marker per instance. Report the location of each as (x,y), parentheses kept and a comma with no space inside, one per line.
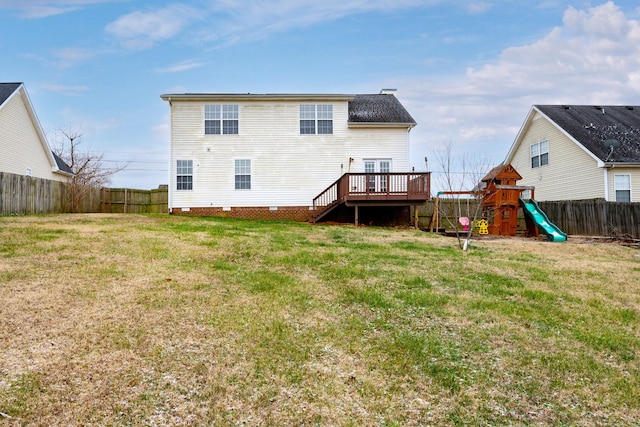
(607,195)
(221,97)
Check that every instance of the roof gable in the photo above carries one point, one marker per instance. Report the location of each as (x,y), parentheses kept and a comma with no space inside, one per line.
(501,172)
(7,91)
(590,126)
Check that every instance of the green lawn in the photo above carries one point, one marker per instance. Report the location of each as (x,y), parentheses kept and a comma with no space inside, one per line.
(160,320)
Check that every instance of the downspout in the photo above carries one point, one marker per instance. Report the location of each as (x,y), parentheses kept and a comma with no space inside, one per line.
(606,183)
(169,190)
(408,148)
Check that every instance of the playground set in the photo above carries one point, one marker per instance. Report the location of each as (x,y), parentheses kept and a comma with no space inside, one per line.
(501,199)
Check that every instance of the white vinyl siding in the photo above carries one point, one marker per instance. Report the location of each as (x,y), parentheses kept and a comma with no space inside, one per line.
(20,144)
(572,174)
(287,168)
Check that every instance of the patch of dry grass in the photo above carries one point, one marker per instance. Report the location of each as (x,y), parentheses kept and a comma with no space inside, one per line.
(156,320)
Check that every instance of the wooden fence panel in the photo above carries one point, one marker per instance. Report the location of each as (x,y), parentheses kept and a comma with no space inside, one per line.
(20,194)
(25,195)
(594,217)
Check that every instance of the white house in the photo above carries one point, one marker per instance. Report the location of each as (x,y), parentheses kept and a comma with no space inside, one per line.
(573,152)
(24,149)
(270,155)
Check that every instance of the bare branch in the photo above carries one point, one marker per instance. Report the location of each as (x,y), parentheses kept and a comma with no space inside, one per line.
(88,167)
(460,179)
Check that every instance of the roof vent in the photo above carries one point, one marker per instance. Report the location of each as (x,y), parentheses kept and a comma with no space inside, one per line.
(388,91)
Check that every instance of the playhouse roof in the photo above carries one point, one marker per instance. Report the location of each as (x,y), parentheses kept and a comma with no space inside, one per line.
(502,172)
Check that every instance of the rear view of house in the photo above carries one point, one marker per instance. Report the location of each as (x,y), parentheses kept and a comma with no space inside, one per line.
(271,155)
(24,149)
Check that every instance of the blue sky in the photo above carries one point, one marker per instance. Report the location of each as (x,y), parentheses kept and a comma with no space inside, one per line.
(467,71)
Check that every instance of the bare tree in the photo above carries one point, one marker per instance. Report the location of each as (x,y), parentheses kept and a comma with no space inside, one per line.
(89,170)
(461,181)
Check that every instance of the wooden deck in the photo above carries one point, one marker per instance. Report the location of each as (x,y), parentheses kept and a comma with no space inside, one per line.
(372,189)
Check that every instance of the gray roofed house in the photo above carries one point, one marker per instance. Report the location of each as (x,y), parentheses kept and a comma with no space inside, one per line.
(23,145)
(572,152)
(278,155)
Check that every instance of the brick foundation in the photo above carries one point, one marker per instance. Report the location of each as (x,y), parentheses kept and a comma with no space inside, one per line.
(382,216)
(288,213)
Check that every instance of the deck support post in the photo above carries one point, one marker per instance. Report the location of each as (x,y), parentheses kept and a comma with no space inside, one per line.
(356,215)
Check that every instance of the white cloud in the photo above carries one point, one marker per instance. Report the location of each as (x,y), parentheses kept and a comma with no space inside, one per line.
(66,90)
(181,66)
(593,58)
(34,9)
(63,58)
(70,56)
(141,30)
(235,21)
(479,7)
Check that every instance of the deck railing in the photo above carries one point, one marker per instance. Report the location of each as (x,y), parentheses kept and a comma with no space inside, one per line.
(374,187)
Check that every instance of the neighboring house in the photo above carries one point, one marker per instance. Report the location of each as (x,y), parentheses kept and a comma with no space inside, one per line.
(574,152)
(269,156)
(24,149)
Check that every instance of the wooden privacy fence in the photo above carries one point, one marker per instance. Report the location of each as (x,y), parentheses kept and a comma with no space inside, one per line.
(21,194)
(574,217)
(25,195)
(595,217)
(126,200)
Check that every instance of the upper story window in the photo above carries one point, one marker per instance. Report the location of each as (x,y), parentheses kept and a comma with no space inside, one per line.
(539,154)
(220,119)
(316,119)
(184,175)
(622,185)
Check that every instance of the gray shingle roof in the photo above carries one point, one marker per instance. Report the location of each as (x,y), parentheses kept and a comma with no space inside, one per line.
(381,108)
(61,164)
(6,89)
(592,125)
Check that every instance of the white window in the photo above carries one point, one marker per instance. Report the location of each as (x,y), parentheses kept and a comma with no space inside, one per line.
(184,175)
(539,154)
(316,119)
(622,185)
(220,119)
(243,174)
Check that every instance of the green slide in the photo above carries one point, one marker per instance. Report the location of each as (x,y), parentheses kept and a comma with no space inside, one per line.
(540,219)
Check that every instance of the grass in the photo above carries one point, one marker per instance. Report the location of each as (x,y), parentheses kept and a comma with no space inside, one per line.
(158,320)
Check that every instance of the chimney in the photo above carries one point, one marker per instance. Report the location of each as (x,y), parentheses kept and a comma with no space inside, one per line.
(388,91)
